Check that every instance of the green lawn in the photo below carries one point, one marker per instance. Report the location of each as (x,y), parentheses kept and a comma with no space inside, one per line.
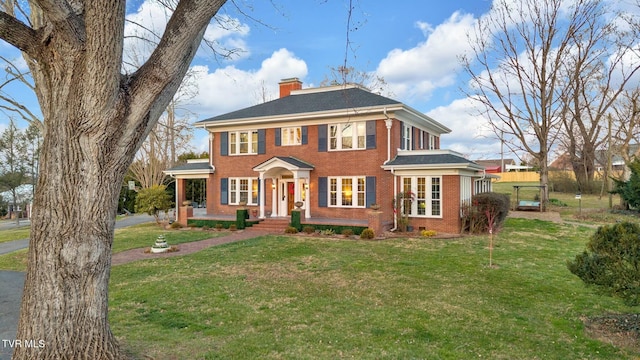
(19,233)
(132,237)
(284,297)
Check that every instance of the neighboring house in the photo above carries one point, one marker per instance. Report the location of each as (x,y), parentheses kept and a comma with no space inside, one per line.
(338,150)
(496,166)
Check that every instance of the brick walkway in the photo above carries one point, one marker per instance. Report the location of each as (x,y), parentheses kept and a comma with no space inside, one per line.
(186,248)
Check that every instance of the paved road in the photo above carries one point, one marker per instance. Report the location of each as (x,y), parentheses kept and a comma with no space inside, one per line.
(11,283)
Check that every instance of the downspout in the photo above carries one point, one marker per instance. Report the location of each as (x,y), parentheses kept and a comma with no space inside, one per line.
(388,122)
(395,194)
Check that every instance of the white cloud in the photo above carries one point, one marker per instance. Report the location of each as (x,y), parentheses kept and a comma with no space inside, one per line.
(431,64)
(470,133)
(229,88)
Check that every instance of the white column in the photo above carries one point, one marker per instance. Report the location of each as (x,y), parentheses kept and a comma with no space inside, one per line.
(274,197)
(307,202)
(296,187)
(261,194)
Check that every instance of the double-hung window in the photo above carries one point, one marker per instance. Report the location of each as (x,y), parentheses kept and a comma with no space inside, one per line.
(348,136)
(347,191)
(291,136)
(243,142)
(243,190)
(426,195)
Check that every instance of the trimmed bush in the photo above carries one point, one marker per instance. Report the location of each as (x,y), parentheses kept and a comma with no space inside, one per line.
(367,234)
(611,261)
(176,225)
(347,232)
(290,230)
(308,229)
(428,233)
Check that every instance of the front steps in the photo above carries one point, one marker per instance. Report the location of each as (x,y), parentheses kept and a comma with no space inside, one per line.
(271,225)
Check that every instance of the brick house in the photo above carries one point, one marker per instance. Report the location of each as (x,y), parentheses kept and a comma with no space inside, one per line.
(335,151)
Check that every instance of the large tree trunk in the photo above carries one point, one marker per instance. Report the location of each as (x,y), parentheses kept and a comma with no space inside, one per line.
(65,299)
(95,119)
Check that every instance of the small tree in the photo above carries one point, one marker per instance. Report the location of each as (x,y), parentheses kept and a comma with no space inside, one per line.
(629,191)
(152,200)
(612,261)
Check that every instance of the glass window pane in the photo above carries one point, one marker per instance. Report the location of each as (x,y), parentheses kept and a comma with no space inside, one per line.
(347,136)
(232,143)
(333,192)
(254,142)
(347,192)
(362,135)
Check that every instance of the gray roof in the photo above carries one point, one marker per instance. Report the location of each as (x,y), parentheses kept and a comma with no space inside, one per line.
(291,160)
(194,166)
(429,159)
(320,101)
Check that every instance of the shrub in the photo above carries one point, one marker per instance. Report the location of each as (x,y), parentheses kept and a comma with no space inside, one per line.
(290,230)
(347,232)
(309,229)
(428,233)
(556,202)
(152,200)
(367,234)
(176,225)
(327,232)
(485,206)
(233,227)
(611,261)
(219,226)
(629,190)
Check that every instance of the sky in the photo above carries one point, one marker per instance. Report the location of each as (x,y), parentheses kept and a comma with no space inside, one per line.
(414,45)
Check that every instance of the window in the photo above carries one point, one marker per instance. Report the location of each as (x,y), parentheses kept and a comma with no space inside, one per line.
(432,142)
(347,191)
(348,136)
(407,137)
(427,193)
(243,142)
(243,189)
(291,136)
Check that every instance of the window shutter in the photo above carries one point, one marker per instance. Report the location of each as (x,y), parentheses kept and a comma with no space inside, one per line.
(258,180)
(401,136)
(305,135)
(322,138)
(262,141)
(278,134)
(370,190)
(224,143)
(224,191)
(371,134)
(414,138)
(323,190)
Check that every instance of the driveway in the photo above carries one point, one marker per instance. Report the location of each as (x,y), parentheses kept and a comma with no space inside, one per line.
(12,282)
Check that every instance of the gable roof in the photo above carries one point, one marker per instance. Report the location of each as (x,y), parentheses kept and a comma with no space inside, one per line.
(309,101)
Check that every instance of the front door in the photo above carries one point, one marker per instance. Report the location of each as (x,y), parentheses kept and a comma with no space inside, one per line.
(291,196)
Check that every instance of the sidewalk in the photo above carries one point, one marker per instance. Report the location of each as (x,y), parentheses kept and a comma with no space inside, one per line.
(185,248)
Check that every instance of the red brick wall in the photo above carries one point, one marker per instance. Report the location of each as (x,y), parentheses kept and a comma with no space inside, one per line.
(332,163)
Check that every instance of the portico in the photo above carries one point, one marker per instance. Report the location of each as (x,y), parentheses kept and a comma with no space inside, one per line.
(290,180)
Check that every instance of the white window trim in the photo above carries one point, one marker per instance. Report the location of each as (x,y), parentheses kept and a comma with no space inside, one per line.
(354,136)
(237,190)
(428,199)
(432,142)
(354,191)
(408,137)
(250,149)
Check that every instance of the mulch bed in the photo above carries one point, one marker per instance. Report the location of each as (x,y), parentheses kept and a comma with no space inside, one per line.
(620,330)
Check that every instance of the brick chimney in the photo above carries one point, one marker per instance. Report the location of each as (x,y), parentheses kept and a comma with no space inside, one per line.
(288,85)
